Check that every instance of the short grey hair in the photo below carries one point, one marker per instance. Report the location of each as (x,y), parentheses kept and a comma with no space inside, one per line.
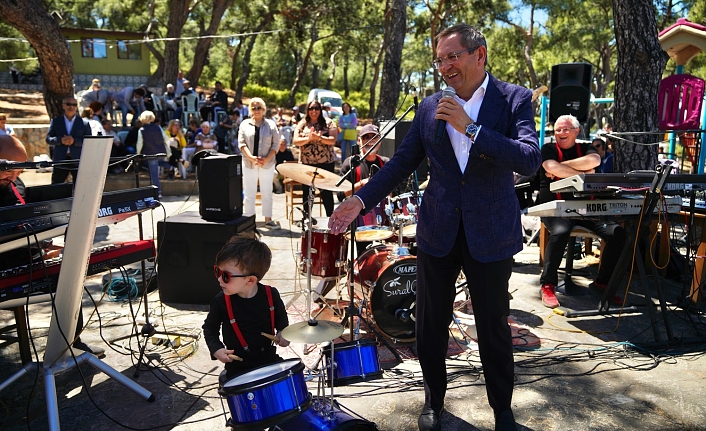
(147,117)
(574,121)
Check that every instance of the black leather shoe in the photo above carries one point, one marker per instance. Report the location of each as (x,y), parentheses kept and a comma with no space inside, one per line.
(505,421)
(94,350)
(429,419)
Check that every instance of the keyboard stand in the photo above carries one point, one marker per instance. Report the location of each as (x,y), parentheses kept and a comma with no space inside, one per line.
(637,234)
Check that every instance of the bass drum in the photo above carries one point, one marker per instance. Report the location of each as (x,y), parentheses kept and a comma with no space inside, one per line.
(389,283)
(321,417)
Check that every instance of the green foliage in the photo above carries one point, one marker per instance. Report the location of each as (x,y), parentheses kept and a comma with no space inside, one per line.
(359,100)
(271,96)
(569,31)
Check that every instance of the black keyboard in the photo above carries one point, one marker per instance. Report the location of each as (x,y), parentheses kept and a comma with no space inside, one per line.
(19,220)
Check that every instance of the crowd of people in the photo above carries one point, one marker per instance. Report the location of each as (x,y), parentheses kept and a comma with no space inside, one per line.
(160,125)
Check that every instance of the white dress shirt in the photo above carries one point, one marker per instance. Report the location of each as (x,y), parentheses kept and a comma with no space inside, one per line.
(459,141)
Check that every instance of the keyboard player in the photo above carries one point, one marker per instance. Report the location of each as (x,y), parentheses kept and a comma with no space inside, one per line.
(12,193)
(562,159)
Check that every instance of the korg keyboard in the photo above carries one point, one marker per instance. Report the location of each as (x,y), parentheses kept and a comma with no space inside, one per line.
(600,207)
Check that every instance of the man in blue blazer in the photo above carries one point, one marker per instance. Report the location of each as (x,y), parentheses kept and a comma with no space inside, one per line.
(469,217)
(65,136)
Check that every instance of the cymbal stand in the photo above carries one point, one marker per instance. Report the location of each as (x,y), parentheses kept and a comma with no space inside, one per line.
(352,311)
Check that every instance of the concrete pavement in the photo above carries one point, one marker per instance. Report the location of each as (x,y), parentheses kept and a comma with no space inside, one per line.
(593,373)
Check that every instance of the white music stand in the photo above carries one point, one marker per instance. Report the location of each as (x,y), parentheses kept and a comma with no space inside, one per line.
(67,303)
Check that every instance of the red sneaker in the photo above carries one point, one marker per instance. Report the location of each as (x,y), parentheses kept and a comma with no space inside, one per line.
(546,293)
(601,288)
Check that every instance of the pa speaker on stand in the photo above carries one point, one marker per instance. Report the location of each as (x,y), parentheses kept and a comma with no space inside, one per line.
(570,91)
(220,187)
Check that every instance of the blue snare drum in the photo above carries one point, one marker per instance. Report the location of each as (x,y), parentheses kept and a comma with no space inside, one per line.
(266,396)
(354,361)
(320,417)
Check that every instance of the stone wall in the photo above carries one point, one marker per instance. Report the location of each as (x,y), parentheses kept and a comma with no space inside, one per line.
(33,136)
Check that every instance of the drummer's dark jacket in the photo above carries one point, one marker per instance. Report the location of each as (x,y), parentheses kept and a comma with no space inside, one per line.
(365,170)
(253,317)
(19,256)
(550,151)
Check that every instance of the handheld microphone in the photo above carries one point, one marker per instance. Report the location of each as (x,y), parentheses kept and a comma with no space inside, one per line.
(441,124)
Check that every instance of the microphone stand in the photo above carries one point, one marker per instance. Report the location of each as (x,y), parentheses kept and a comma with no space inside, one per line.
(148,330)
(351,311)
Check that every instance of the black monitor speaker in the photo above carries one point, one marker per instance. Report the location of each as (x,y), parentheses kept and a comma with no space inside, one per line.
(394,139)
(187,247)
(220,187)
(570,91)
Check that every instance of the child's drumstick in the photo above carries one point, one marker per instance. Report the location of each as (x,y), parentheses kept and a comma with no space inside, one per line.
(235,357)
(271,337)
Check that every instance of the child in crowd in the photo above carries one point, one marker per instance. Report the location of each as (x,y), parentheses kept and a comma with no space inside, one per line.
(254,309)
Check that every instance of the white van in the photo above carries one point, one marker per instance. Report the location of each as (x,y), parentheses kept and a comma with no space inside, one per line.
(322,96)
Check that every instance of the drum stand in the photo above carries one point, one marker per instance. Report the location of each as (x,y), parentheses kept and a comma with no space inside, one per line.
(352,311)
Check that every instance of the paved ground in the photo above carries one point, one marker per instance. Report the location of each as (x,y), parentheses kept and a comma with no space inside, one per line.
(591,373)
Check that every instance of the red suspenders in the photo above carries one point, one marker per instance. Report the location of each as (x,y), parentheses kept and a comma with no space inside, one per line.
(236,328)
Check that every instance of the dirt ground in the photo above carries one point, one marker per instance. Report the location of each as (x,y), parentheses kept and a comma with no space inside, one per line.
(23,107)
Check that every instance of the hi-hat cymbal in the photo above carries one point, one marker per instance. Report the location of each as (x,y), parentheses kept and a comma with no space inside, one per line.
(310,175)
(312,331)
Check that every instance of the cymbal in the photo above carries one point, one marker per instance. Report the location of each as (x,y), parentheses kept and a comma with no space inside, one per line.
(312,331)
(310,175)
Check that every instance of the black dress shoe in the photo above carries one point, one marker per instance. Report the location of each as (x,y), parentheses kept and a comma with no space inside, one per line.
(429,419)
(505,421)
(94,350)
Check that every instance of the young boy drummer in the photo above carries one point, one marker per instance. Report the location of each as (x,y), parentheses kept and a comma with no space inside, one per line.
(249,314)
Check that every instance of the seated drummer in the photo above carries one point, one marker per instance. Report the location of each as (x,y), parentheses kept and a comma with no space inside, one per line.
(562,159)
(253,308)
(368,167)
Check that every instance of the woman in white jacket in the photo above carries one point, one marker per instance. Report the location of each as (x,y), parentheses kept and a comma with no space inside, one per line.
(258,140)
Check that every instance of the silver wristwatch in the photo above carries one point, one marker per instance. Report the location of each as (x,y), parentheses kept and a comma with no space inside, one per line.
(472,131)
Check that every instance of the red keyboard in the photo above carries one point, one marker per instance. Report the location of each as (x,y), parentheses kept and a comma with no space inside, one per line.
(15,282)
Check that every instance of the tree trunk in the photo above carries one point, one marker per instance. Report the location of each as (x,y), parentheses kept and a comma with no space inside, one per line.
(346,88)
(641,61)
(234,65)
(392,67)
(436,19)
(332,60)
(44,34)
(155,80)
(376,76)
(179,12)
(203,45)
(305,62)
(359,87)
(245,72)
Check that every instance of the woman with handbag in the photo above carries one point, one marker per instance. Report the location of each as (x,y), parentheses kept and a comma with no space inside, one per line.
(347,123)
(151,140)
(258,140)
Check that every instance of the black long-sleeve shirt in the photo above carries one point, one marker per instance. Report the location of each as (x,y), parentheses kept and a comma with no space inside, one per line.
(253,317)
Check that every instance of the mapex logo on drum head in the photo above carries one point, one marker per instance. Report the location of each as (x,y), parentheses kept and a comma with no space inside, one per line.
(405,269)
